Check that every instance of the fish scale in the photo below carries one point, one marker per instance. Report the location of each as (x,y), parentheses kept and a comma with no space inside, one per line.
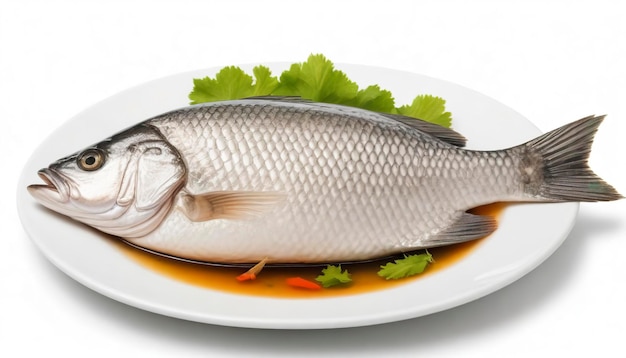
(293,181)
(361,150)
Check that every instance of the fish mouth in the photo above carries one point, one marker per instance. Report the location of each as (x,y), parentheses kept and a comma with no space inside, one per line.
(54,189)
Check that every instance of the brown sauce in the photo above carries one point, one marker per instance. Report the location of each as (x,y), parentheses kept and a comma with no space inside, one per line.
(271,282)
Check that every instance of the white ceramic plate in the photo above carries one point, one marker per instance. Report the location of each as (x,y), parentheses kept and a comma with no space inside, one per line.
(527,235)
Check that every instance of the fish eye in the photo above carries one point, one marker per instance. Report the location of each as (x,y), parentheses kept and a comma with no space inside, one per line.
(90,160)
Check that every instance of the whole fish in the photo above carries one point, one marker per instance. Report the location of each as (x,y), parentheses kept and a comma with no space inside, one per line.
(292,181)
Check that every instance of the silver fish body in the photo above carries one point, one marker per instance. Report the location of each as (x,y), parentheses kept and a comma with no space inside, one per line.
(300,182)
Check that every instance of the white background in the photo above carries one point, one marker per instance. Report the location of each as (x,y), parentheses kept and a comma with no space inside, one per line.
(551,61)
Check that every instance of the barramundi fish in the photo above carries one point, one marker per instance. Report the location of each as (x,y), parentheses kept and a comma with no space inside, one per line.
(291,181)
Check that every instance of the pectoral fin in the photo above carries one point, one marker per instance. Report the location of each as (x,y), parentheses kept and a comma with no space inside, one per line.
(229,204)
(467,227)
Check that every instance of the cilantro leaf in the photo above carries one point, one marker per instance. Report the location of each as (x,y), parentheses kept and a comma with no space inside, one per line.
(374,99)
(333,276)
(317,80)
(408,266)
(230,82)
(264,82)
(233,83)
(428,108)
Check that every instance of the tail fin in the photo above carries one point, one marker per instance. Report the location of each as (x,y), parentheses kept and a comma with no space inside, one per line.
(563,154)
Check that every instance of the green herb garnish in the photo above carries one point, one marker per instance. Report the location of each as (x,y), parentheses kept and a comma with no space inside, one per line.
(333,276)
(408,266)
(233,83)
(428,108)
(315,79)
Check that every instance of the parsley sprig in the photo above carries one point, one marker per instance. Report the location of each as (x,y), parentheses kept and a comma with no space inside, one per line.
(315,79)
(408,266)
(333,275)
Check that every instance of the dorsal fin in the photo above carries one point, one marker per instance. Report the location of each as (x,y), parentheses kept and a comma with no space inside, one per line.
(442,133)
(288,99)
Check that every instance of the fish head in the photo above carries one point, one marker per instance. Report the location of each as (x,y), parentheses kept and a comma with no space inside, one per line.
(124,185)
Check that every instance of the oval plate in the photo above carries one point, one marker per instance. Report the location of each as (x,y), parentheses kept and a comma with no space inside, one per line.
(527,235)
